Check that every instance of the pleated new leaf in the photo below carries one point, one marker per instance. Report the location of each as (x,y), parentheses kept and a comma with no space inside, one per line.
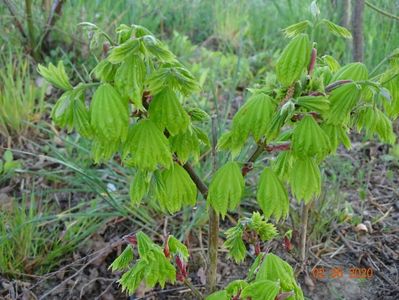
(392,107)
(177,78)
(104,71)
(139,187)
(81,119)
(252,118)
(226,188)
(282,164)
(109,115)
(319,104)
(123,260)
(295,29)
(266,231)
(129,79)
(309,140)
(187,144)
(62,112)
(337,134)
(147,146)
(331,62)
(261,290)
(197,114)
(167,112)
(353,71)
(55,75)
(305,179)
(275,269)
(342,101)
(374,121)
(178,189)
(131,280)
(272,196)
(158,49)
(235,244)
(123,51)
(294,60)
(159,270)
(336,29)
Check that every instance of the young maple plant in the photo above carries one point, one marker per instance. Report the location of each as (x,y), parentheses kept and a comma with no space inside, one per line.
(136,109)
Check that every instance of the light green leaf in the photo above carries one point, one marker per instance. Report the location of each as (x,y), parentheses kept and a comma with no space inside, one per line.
(235,244)
(167,112)
(178,189)
(220,295)
(226,188)
(272,196)
(261,290)
(55,75)
(147,147)
(305,179)
(139,187)
(294,60)
(336,29)
(266,231)
(295,29)
(123,51)
(178,248)
(123,260)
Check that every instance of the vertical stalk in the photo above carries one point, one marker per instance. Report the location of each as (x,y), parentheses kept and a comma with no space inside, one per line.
(31,29)
(304,227)
(213,231)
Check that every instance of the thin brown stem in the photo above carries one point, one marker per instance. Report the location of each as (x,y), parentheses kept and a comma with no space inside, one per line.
(304,227)
(13,13)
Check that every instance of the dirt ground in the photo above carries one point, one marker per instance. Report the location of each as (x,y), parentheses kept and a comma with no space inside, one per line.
(85,274)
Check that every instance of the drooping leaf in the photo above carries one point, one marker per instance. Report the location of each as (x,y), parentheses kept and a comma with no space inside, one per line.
(55,75)
(342,100)
(62,112)
(337,134)
(294,60)
(139,187)
(272,195)
(81,119)
(129,79)
(235,244)
(105,71)
(179,189)
(147,147)
(332,63)
(158,49)
(261,290)
(109,115)
(374,121)
(392,107)
(226,188)
(305,179)
(252,118)
(122,52)
(167,112)
(176,78)
(282,164)
(309,140)
(159,270)
(187,144)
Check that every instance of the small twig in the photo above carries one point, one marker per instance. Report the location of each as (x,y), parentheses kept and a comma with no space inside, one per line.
(382,12)
(14,15)
(195,291)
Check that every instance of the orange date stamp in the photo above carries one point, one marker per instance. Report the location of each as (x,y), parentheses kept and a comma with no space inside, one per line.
(321,273)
